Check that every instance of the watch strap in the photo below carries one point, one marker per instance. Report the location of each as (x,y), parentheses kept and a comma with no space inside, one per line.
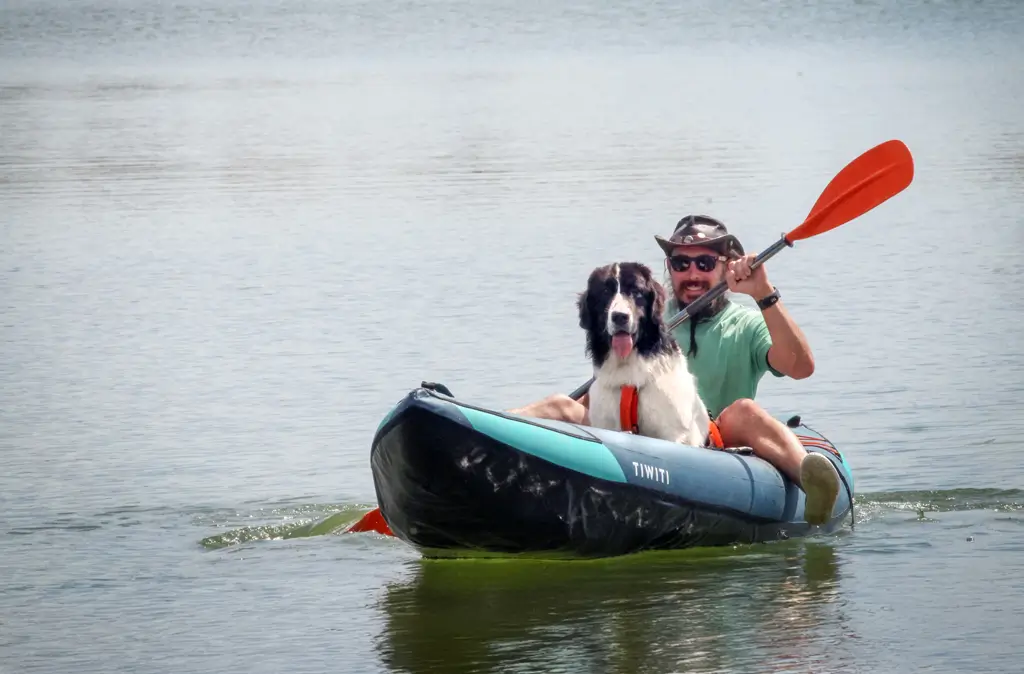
(769,299)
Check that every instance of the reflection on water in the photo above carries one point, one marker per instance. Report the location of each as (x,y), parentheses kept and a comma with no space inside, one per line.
(699,612)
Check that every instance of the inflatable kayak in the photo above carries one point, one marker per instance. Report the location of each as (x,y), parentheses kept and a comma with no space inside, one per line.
(457,479)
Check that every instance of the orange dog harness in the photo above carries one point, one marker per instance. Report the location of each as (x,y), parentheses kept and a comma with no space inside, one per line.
(629,418)
(714,436)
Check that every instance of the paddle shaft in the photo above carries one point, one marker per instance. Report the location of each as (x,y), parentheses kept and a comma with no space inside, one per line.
(704,300)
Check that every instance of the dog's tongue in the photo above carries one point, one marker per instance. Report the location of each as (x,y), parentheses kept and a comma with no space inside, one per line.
(622,344)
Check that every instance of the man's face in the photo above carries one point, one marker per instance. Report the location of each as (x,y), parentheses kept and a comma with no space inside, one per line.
(704,270)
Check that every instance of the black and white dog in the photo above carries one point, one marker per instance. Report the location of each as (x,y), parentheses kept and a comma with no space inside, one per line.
(630,345)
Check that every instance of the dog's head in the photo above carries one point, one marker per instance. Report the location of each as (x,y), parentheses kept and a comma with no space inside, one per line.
(621,311)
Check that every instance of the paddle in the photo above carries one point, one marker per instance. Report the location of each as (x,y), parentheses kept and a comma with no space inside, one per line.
(866,182)
(872,178)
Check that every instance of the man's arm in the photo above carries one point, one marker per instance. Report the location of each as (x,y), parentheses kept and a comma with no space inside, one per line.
(790,353)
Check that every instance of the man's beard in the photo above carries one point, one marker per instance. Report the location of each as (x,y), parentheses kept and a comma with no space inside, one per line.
(708,311)
(704,314)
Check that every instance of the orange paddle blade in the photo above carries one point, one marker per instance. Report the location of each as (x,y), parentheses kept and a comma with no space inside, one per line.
(869,180)
(371,521)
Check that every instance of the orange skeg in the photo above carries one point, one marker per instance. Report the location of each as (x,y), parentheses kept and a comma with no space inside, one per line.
(371,521)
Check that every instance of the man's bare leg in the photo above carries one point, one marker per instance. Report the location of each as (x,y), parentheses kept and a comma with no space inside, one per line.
(558,407)
(746,424)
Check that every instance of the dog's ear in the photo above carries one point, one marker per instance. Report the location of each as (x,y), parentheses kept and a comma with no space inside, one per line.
(583,305)
(657,298)
(655,295)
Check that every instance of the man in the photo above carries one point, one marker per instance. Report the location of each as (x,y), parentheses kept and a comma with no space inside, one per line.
(729,348)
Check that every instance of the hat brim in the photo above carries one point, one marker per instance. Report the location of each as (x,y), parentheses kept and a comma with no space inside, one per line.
(722,244)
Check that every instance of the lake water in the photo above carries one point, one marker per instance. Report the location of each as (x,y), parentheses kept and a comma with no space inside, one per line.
(232,235)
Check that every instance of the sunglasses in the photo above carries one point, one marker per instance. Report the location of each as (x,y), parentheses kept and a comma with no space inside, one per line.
(703,262)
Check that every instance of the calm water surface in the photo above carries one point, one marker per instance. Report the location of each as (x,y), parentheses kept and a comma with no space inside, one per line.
(232,235)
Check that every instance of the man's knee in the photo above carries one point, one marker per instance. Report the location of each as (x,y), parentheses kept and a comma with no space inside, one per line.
(743,423)
(742,411)
(568,409)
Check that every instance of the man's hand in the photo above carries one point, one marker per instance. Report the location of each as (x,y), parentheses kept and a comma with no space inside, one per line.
(742,279)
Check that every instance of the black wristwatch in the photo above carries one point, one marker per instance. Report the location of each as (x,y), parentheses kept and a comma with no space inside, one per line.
(769,299)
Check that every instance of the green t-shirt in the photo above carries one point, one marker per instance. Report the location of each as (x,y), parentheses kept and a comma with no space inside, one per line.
(732,354)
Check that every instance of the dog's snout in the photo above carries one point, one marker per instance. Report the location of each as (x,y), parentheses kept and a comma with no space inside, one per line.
(620,319)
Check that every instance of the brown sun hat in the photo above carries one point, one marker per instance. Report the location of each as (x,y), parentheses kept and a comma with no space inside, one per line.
(700,230)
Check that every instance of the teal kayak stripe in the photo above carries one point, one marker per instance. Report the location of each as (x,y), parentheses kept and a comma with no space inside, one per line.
(583,456)
(387,417)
